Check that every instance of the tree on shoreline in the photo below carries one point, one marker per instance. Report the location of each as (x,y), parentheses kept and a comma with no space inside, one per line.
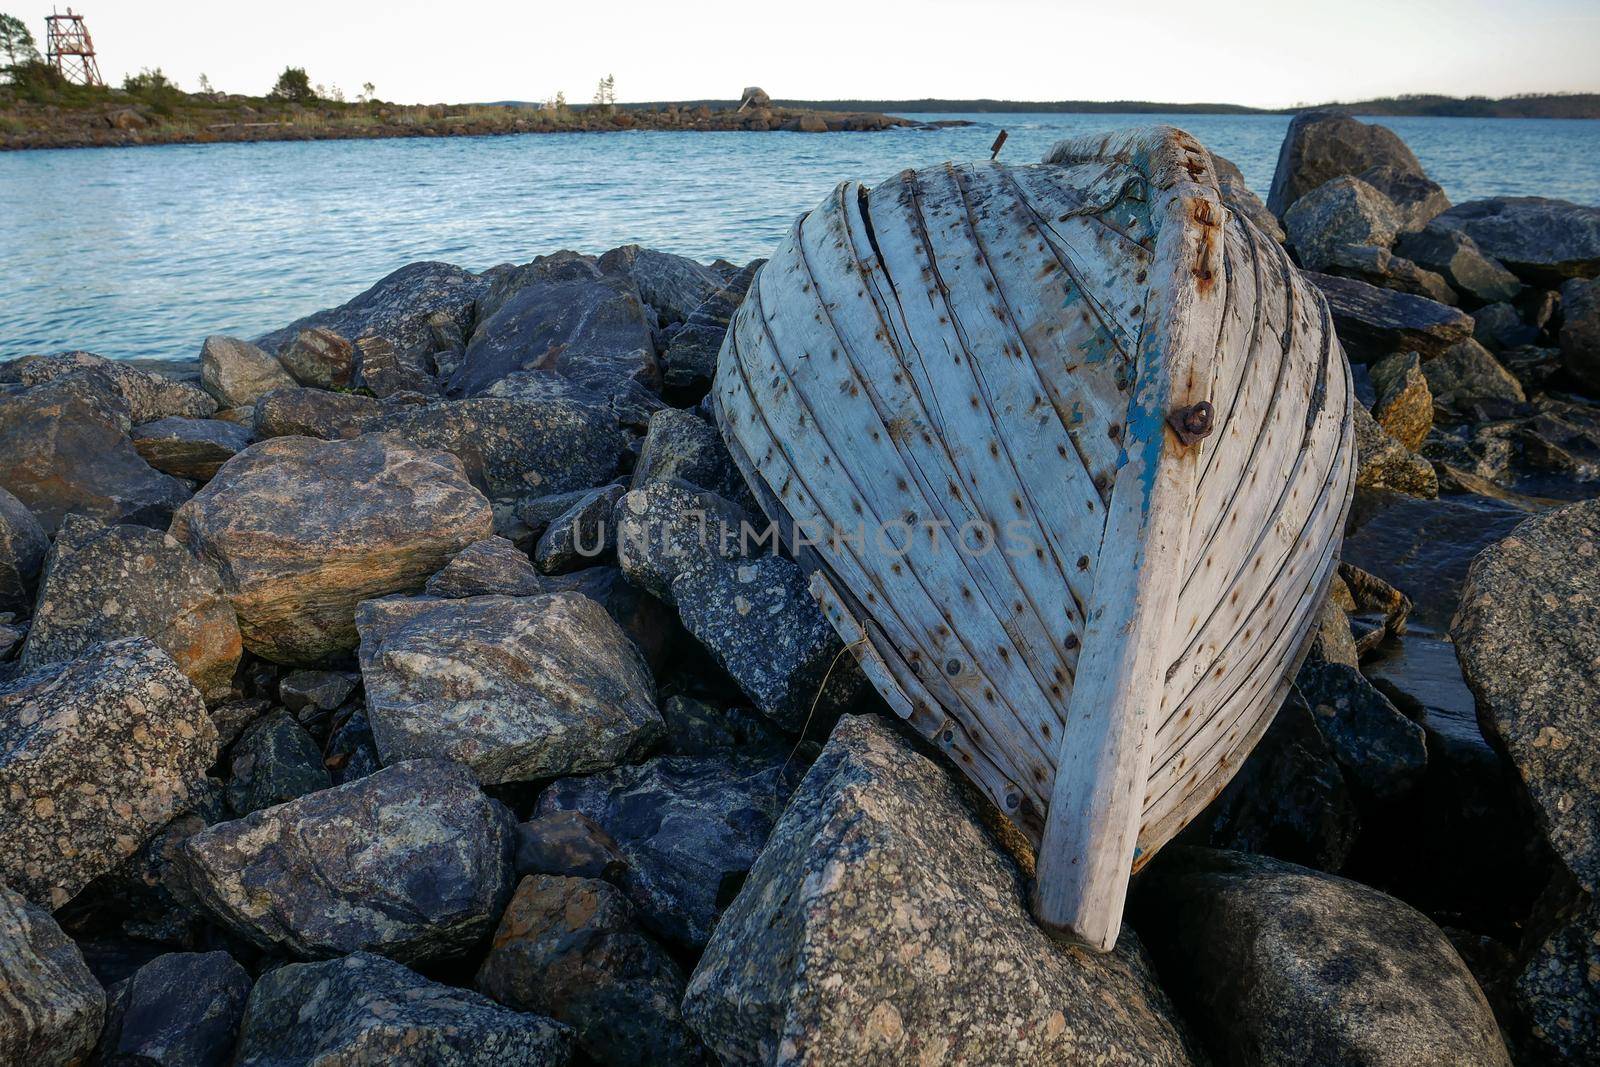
(605,95)
(294,85)
(17,42)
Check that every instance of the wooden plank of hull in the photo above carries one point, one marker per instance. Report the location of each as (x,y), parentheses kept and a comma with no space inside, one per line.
(970,346)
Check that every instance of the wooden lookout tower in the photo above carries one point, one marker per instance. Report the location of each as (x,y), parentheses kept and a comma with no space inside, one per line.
(70,49)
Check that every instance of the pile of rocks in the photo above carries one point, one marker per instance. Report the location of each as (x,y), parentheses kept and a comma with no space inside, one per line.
(414,683)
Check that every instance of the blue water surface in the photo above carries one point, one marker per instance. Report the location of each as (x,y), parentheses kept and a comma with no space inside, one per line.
(142,252)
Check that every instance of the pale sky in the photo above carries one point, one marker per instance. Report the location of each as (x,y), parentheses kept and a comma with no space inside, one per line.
(1232,51)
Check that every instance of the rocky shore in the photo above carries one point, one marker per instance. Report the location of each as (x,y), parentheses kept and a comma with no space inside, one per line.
(366,694)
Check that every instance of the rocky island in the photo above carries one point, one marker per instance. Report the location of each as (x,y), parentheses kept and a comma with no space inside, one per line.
(366,695)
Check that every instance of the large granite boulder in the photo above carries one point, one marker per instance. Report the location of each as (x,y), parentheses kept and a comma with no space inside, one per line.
(190,448)
(293,411)
(1373,322)
(1240,199)
(1526,635)
(569,948)
(398,308)
(412,862)
(884,923)
(319,357)
(690,360)
(1580,331)
(147,396)
(23,545)
(560,313)
(1416,197)
(511,447)
(182,1009)
(67,450)
(517,688)
(364,1009)
(673,285)
(95,757)
(1542,241)
(237,372)
(1457,257)
(51,1007)
(1322,145)
(688,827)
(303,530)
(105,582)
(1342,213)
(1278,964)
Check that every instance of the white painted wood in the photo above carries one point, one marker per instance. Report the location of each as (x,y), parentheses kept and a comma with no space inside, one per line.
(979,345)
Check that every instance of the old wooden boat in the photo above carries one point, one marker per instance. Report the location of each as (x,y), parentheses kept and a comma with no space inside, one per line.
(1096,348)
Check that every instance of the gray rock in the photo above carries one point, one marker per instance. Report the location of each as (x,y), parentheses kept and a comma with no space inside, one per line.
(673,285)
(1525,634)
(517,688)
(651,625)
(190,448)
(69,451)
(1458,258)
(1380,267)
(397,309)
(690,359)
(1499,326)
(1340,213)
(11,638)
(538,512)
(147,396)
(105,582)
(1240,199)
(568,843)
(1322,145)
(387,371)
(688,827)
(1383,753)
(52,1009)
(630,403)
(237,372)
(493,566)
(413,862)
(297,412)
(1542,241)
(1580,331)
(582,536)
(95,757)
(364,1009)
(758,620)
(1466,373)
(697,728)
(681,446)
(1416,197)
(1373,322)
(854,941)
(1404,405)
(23,545)
(560,313)
(667,528)
(319,357)
(351,753)
(1384,463)
(510,447)
(568,948)
(303,530)
(1278,964)
(274,761)
(182,1009)
(316,690)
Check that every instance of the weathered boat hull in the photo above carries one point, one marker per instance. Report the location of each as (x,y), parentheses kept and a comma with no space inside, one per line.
(1094,352)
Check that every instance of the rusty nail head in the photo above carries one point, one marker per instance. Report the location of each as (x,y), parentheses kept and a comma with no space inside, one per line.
(1191,423)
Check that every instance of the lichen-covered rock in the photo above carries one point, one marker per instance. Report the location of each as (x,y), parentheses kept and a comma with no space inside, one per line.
(681,446)
(51,1007)
(293,411)
(517,688)
(1239,198)
(384,370)
(1373,322)
(673,285)
(1458,258)
(510,447)
(689,828)
(23,545)
(1526,635)
(759,622)
(1384,463)
(182,1009)
(364,1009)
(398,308)
(883,924)
(105,582)
(95,756)
(303,530)
(1466,373)
(273,761)
(1580,331)
(1541,240)
(1405,406)
(581,536)
(68,451)
(319,357)
(568,948)
(666,528)
(237,372)
(690,359)
(1278,964)
(1342,212)
(412,862)
(1416,197)
(148,396)
(190,448)
(560,313)
(1322,145)
(493,566)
